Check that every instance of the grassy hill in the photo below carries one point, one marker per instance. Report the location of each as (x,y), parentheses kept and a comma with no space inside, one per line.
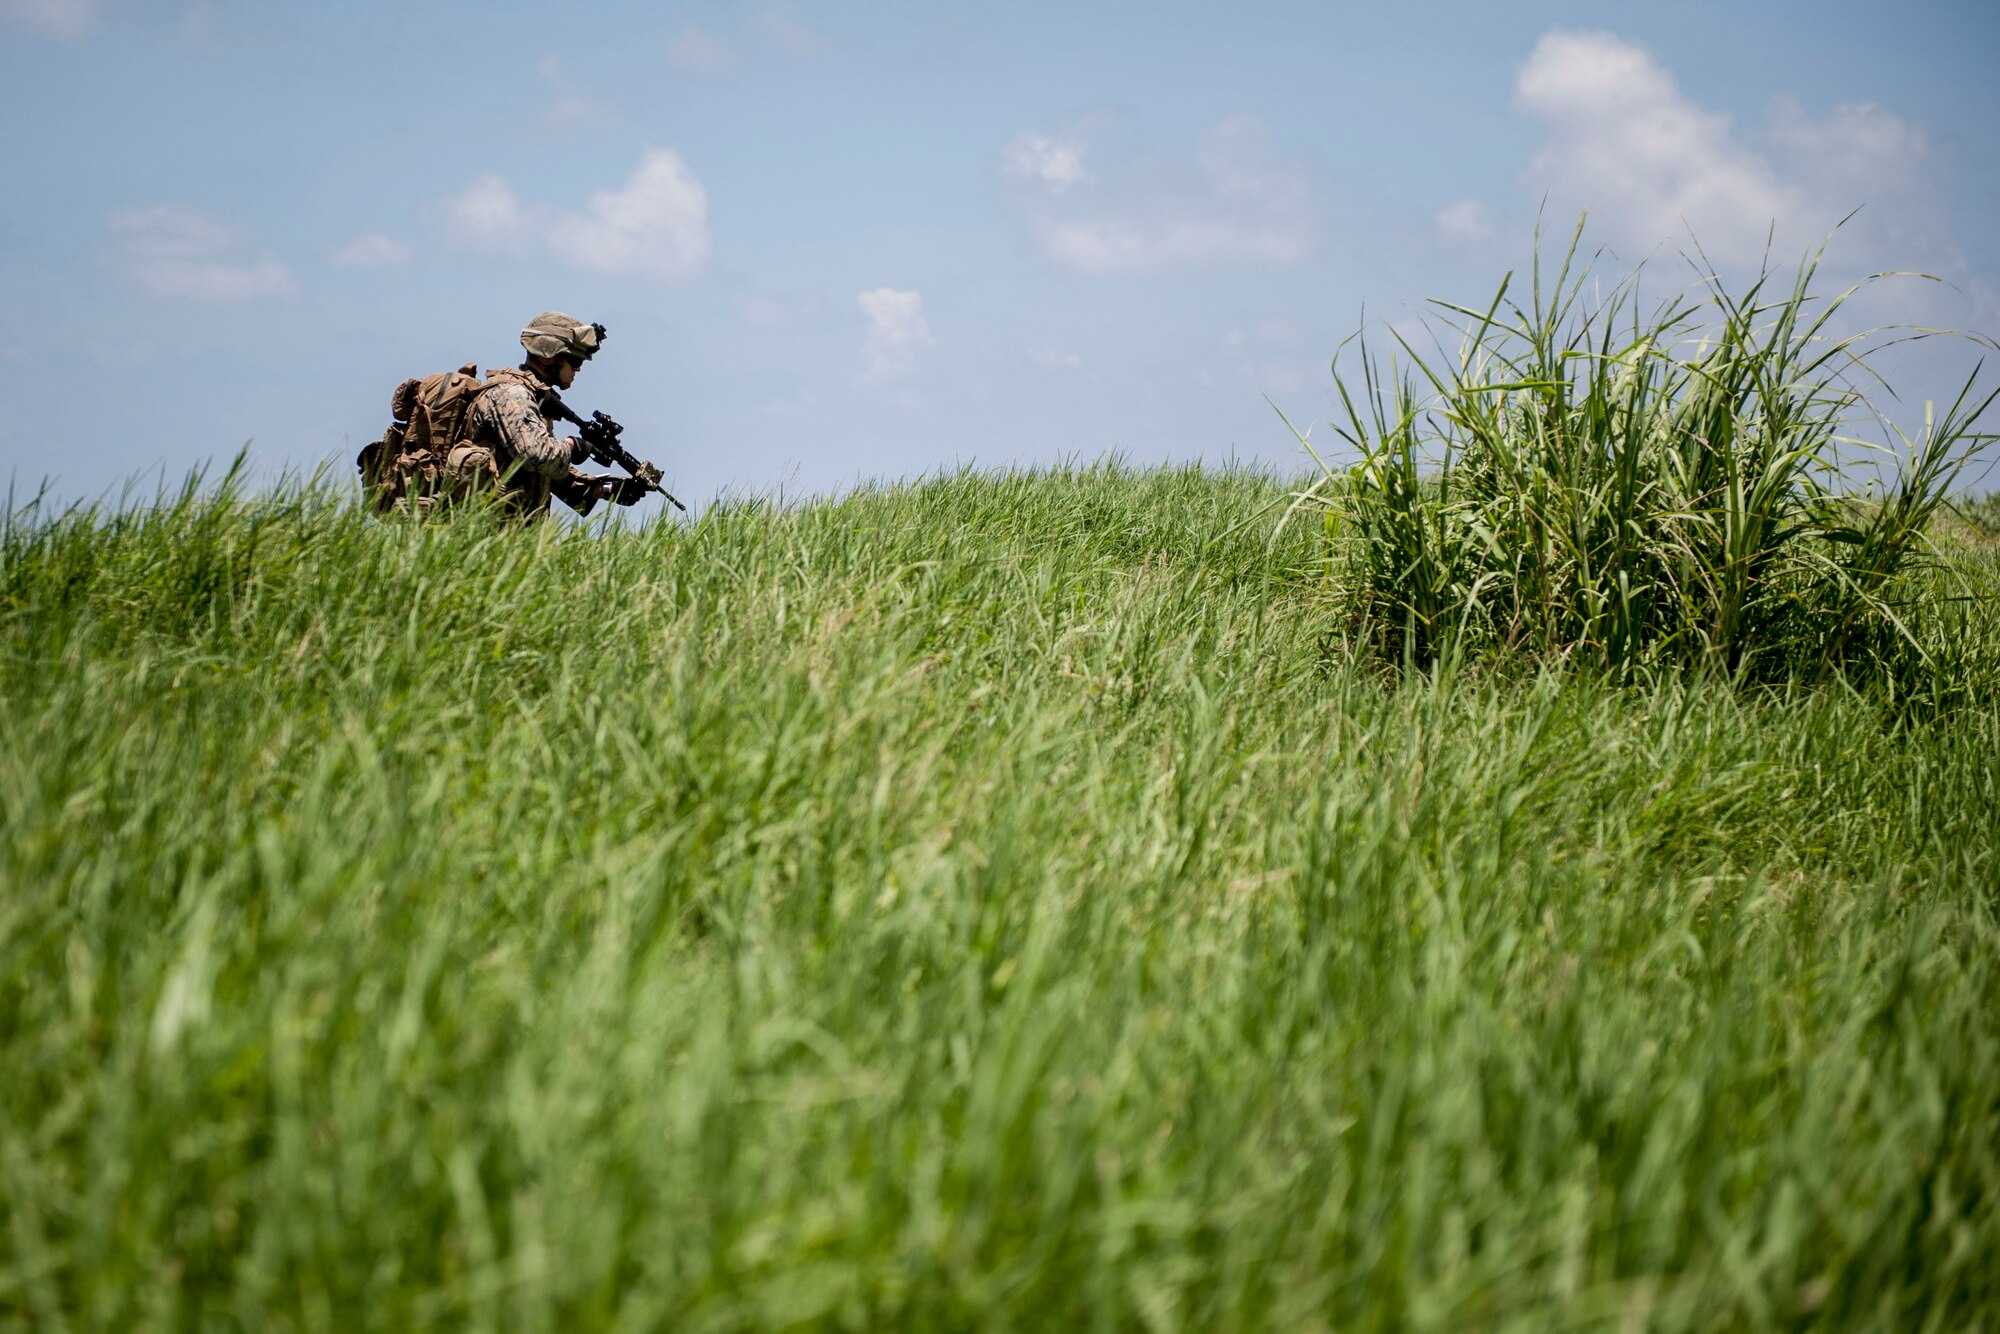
(997,902)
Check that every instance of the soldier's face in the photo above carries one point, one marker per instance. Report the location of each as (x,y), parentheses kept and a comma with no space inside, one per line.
(565,371)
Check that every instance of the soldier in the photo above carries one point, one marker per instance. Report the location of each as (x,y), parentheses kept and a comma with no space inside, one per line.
(509,444)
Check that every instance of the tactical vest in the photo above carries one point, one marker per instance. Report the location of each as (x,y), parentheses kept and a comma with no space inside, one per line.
(477,461)
(407,466)
(500,375)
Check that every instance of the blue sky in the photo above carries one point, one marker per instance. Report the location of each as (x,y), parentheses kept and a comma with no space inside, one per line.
(835,242)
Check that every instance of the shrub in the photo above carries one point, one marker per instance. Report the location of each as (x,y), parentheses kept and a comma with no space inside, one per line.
(1588,483)
(1981,514)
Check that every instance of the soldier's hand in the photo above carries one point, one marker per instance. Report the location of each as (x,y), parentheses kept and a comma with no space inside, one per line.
(627,490)
(578,451)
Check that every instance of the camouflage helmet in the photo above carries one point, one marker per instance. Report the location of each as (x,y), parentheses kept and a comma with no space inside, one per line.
(553,334)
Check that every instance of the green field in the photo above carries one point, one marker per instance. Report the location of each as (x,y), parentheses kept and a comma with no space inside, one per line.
(997,902)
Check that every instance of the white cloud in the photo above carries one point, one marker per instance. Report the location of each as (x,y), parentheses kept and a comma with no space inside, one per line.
(1055,359)
(371,250)
(1862,152)
(765,312)
(1276,375)
(68,20)
(178,252)
(1465,220)
(1628,144)
(565,107)
(785,29)
(798,407)
(699,51)
(1267,357)
(1241,204)
(1118,245)
(487,215)
(897,331)
(170,229)
(656,226)
(1058,164)
(653,226)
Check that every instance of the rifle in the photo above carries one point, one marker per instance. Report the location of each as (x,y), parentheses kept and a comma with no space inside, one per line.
(600,437)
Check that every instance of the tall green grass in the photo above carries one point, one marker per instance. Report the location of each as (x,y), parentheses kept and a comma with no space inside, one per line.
(1592,481)
(984,903)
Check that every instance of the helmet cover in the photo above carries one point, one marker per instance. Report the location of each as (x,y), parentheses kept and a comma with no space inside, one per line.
(553,334)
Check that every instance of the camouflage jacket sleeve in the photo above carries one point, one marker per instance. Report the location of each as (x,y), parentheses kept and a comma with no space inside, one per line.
(508,416)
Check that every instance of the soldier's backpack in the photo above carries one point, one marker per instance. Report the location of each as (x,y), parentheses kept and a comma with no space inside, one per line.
(406,466)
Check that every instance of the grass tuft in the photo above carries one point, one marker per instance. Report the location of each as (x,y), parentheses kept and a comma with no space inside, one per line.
(1591,482)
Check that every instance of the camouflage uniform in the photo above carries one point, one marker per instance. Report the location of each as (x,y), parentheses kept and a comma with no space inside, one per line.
(453,437)
(510,446)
